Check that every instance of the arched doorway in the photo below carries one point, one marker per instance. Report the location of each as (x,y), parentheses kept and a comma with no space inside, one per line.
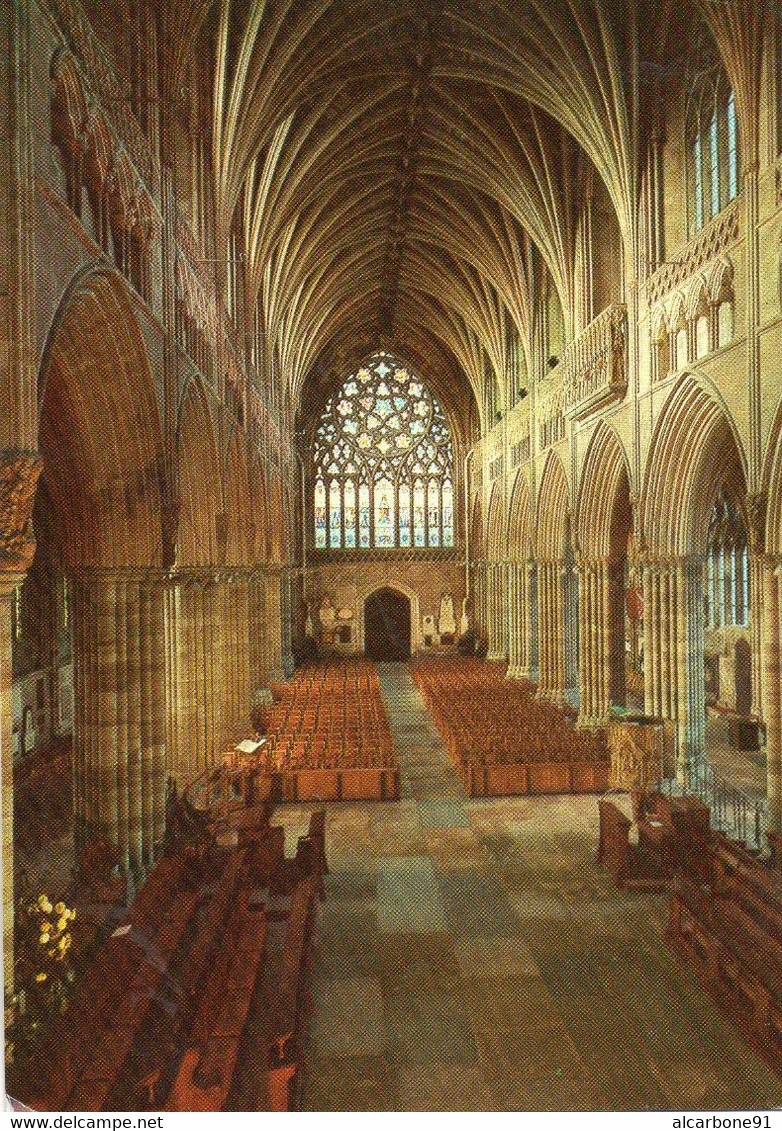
(387,625)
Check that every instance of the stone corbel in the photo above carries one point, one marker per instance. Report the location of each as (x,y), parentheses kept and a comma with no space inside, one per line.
(19,473)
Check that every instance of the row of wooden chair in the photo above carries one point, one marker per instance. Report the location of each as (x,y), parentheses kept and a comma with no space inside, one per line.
(486,719)
(330,716)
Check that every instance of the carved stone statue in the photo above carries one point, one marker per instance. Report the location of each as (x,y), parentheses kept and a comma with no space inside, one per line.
(19,472)
(447,623)
(327,617)
(618,346)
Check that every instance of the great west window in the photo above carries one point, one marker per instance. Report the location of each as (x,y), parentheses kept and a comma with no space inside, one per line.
(383,464)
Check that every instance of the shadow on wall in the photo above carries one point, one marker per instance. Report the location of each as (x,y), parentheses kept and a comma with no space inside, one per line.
(387,625)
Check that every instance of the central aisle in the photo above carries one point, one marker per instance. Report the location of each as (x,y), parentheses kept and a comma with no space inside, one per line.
(472,956)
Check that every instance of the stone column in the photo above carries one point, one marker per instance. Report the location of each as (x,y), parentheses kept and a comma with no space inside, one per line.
(570,629)
(478,620)
(601,641)
(530,654)
(660,668)
(120,711)
(208,663)
(674,686)
(523,621)
(233,593)
(257,631)
(593,676)
(515,596)
(286,622)
(274,641)
(691,705)
(551,629)
(758,564)
(615,636)
(772,686)
(19,473)
(8,583)
(496,596)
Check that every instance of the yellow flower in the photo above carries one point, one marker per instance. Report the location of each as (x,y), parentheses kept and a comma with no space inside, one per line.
(43,940)
(44,904)
(45,926)
(62,923)
(73,914)
(59,907)
(40,977)
(51,952)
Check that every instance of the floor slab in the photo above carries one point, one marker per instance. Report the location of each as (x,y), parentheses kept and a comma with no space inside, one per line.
(472,956)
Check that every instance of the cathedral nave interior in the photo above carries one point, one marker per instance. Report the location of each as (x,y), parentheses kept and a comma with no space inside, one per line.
(390,554)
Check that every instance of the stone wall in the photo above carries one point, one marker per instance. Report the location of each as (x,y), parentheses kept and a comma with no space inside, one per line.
(348,585)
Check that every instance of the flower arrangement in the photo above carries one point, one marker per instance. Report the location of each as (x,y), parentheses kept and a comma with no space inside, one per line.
(43,972)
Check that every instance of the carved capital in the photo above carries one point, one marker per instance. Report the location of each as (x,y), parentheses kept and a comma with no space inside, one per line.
(19,472)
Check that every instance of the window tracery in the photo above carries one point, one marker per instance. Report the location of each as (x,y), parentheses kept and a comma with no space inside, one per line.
(712,149)
(383,464)
(727,588)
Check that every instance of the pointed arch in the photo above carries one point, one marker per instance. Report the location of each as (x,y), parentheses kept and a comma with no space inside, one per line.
(100,431)
(695,445)
(476,529)
(553,511)
(605,474)
(277,537)
(199,482)
(520,540)
(495,526)
(773,477)
(260,507)
(237,504)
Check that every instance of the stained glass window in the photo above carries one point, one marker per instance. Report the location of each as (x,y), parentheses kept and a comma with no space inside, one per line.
(384,448)
(404,514)
(447,513)
(350,514)
(335,508)
(384,513)
(363,516)
(712,147)
(419,513)
(320,514)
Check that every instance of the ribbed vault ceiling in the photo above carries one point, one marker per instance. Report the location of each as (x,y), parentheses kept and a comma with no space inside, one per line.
(401,168)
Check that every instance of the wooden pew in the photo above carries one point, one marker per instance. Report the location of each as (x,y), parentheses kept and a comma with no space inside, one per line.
(204,1079)
(290,1009)
(173,998)
(629,867)
(673,833)
(311,852)
(728,926)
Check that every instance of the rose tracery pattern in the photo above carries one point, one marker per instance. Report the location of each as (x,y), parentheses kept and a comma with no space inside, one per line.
(383,463)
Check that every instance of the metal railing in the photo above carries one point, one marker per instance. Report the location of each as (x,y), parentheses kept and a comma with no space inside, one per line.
(733,811)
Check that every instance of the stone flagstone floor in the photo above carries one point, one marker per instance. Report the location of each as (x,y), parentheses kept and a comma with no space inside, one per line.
(472,956)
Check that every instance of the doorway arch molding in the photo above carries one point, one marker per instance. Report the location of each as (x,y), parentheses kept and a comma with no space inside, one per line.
(400,587)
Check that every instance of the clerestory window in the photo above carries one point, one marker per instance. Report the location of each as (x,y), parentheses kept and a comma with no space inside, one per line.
(712,149)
